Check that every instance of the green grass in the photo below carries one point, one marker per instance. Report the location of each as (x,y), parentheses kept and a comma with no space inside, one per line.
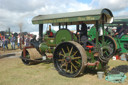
(14,72)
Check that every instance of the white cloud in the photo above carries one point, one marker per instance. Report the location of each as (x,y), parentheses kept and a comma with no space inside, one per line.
(22,11)
(115,5)
(13,12)
(123,13)
(21,5)
(11,19)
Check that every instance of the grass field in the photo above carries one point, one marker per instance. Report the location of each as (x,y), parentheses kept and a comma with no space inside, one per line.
(14,72)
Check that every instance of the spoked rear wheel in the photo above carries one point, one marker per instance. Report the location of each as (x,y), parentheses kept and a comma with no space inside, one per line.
(108,48)
(109,41)
(69,59)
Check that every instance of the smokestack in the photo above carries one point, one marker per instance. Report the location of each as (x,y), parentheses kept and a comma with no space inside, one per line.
(9,31)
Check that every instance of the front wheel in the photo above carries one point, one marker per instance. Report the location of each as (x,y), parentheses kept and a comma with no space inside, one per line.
(70,59)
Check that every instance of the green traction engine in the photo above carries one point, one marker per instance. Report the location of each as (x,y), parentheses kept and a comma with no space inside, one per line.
(121,43)
(72,53)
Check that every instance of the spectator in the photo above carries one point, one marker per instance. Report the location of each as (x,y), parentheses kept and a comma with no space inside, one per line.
(18,41)
(6,42)
(0,42)
(12,40)
(27,41)
(3,40)
(24,39)
(31,37)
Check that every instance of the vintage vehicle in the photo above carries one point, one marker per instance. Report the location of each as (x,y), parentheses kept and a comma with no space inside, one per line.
(122,42)
(72,52)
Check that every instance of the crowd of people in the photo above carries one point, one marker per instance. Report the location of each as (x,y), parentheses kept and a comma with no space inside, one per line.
(15,42)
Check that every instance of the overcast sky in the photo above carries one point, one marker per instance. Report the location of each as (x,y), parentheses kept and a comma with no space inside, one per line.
(15,12)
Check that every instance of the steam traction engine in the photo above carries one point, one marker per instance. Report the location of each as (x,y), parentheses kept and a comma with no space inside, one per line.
(121,42)
(72,52)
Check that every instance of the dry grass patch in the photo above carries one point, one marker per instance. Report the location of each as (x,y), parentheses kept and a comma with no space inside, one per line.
(14,72)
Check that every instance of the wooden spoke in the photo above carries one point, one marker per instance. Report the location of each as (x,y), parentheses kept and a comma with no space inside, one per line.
(77,62)
(104,52)
(100,43)
(63,51)
(68,48)
(107,53)
(75,53)
(76,58)
(61,54)
(62,65)
(74,66)
(70,51)
(109,42)
(61,59)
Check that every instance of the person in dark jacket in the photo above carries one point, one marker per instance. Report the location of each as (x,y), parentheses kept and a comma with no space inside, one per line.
(6,42)
(125,29)
(84,35)
(120,30)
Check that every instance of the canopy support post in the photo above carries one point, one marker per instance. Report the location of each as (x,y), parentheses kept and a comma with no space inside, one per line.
(66,25)
(59,26)
(97,33)
(103,29)
(77,28)
(40,32)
